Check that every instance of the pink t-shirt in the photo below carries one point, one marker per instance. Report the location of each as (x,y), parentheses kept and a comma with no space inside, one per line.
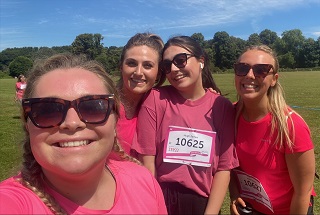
(259,158)
(137,192)
(165,107)
(126,129)
(20,88)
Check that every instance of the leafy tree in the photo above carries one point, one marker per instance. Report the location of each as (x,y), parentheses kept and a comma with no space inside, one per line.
(199,38)
(309,55)
(287,60)
(254,39)
(20,65)
(268,37)
(88,44)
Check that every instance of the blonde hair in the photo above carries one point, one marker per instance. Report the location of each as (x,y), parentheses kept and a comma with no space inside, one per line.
(31,172)
(281,113)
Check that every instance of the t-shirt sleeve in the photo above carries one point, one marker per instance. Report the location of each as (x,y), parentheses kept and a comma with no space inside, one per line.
(144,141)
(226,131)
(301,137)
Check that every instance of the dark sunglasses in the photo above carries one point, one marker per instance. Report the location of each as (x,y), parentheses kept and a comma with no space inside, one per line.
(51,112)
(180,61)
(259,70)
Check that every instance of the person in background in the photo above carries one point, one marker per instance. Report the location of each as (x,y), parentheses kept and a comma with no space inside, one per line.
(139,65)
(273,143)
(185,133)
(70,111)
(21,85)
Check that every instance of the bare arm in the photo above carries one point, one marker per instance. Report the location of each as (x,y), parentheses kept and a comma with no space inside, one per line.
(301,167)
(149,162)
(218,192)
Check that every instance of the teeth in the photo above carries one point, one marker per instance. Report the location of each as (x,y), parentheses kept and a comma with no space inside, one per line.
(74,143)
(250,86)
(179,77)
(138,80)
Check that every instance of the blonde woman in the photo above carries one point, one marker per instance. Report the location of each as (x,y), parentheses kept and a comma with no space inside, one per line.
(273,143)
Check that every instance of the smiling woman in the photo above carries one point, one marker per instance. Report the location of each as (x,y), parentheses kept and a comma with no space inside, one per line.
(70,110)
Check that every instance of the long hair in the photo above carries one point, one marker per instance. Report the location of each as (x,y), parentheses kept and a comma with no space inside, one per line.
(31,172)
(194,48)
(281,114)
(154,42)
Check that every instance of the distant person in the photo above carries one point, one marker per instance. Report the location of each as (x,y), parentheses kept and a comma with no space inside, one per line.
(21,85)
(185,133)
(273,142)
(139,66)
(70,110)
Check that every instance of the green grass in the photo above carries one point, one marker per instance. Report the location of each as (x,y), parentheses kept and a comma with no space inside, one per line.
(301,90)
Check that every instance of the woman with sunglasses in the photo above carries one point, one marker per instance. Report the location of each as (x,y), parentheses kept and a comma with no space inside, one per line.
(139,64)
(273,143)
(70,110)
(185,133)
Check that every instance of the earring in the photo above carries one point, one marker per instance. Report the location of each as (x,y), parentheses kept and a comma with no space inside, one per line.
(201,65)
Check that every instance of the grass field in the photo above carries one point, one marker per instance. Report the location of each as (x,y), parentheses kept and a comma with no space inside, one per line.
(302,93)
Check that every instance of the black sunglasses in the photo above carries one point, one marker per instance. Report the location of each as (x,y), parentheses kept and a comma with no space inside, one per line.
(51,112)
(180,61)
(259,70)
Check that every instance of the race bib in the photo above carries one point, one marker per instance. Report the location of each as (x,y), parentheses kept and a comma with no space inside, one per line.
(251,188)
(189,146)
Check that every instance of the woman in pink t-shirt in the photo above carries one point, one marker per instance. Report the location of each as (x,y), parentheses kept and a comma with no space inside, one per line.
(20,87)
(70,109)
(139,63)
(185,133)
(273,143)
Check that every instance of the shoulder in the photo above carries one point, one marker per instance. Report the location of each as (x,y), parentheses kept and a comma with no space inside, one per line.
(19,199)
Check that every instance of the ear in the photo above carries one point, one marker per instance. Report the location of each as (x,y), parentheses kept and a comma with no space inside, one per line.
(274,79)
(201,65)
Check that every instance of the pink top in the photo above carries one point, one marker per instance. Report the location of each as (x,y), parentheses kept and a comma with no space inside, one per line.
(126,129)
(137,192)
(259,158)
(166,107)
(20,88)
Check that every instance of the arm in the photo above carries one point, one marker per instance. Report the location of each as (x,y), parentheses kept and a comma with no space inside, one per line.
(235,198)
(218,192)
(301,167)
(149,162)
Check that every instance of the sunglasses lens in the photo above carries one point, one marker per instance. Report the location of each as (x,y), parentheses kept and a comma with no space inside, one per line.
(166,66)
(241,69)
(47,114)
(261,69)
(94,111)
(180,60)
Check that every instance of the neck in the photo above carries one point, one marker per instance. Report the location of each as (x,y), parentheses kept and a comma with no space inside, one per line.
(194,93)
(96,191)
(131,102)
(254,111)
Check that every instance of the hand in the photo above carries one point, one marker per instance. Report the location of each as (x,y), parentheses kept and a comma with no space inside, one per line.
(233,205)
(213,91)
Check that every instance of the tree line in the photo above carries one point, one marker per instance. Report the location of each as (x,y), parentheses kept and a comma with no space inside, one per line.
(293,49)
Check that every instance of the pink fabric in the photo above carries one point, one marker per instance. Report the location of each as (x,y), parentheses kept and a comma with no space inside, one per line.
(20,87)
(137,192)
(164,107)
(259,158)
(126,129)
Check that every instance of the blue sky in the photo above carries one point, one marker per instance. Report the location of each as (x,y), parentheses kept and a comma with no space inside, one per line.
(50,23)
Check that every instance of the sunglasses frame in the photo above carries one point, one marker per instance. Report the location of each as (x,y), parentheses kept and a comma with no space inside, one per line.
(27,107)
(256,74)
(164,62)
